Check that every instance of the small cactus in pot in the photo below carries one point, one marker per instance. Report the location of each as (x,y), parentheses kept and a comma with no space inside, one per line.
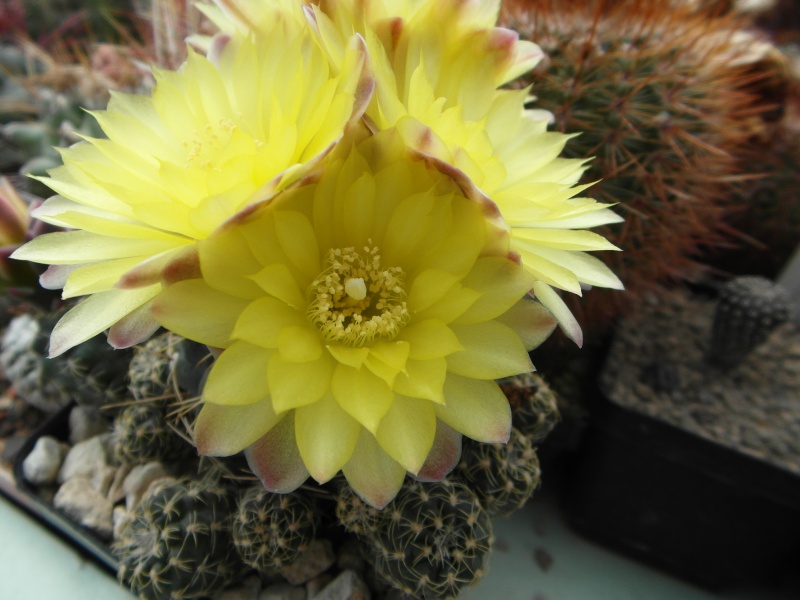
(748,309)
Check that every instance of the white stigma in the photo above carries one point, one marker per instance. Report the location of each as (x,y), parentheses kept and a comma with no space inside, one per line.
(356,288)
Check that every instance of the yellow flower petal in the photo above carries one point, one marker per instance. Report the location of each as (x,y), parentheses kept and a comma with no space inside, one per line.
(429,287)
(388,359)
(406,432)
(278,280)
(531,321)
(95,314)
(226,430)
(359,207)
(275,459)
(238,376)
(444,455)
(299,344)
(196,311)
(553,302)
(296,237)
(423,379)
(74,247)
(491,351)
(478,409)
(352,357)
(584,267)
(263,320)
(373,474)
(230,278)
(97,277)
(326,437)
(502,284)
(363,395)
(451,306)
(430,339)
(564,239)
(294,384)
(134,328)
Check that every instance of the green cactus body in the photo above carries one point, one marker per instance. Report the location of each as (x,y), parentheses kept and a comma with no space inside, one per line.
(665,101)
(503,476)
(748,309)
(142,434)
(271,530)
(150,372)
(178,544)
(355,515)
(534,405)
(92,374)
(433,540)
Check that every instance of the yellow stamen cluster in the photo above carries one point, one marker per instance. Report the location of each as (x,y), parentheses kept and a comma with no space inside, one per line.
(203,144)
(355,301)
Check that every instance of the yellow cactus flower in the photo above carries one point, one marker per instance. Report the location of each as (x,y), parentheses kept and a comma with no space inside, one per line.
(438,65)
(363,320)
(215,136)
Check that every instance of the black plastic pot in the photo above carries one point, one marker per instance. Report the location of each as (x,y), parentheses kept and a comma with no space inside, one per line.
(699,510)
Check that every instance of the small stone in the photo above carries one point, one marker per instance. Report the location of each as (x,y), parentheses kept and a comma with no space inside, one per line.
(316,559)
(103,478)
(347,586)
(86,422)
(314,585)
(282,591)
(83,460)
(86,506)
(41,466)
(138,481)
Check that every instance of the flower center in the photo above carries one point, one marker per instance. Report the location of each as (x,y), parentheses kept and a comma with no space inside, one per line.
(204,145)
(355,300)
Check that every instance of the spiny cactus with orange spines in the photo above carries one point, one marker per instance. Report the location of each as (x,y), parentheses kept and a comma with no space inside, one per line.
(666,100)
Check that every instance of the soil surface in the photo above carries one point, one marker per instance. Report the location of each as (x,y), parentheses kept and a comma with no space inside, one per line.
(656,366)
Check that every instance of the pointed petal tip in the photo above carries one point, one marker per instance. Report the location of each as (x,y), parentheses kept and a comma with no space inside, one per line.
(275,459)
(135,328)
(378,497)
(444,455)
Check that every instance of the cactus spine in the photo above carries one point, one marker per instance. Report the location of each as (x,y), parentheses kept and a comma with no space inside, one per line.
(178,544)
(665,100)
(534,405)
(503,476)
(271,530)
(433,540)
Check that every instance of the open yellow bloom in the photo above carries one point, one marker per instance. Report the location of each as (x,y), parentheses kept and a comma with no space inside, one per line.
(364,319)
(214,137)
(438,65)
